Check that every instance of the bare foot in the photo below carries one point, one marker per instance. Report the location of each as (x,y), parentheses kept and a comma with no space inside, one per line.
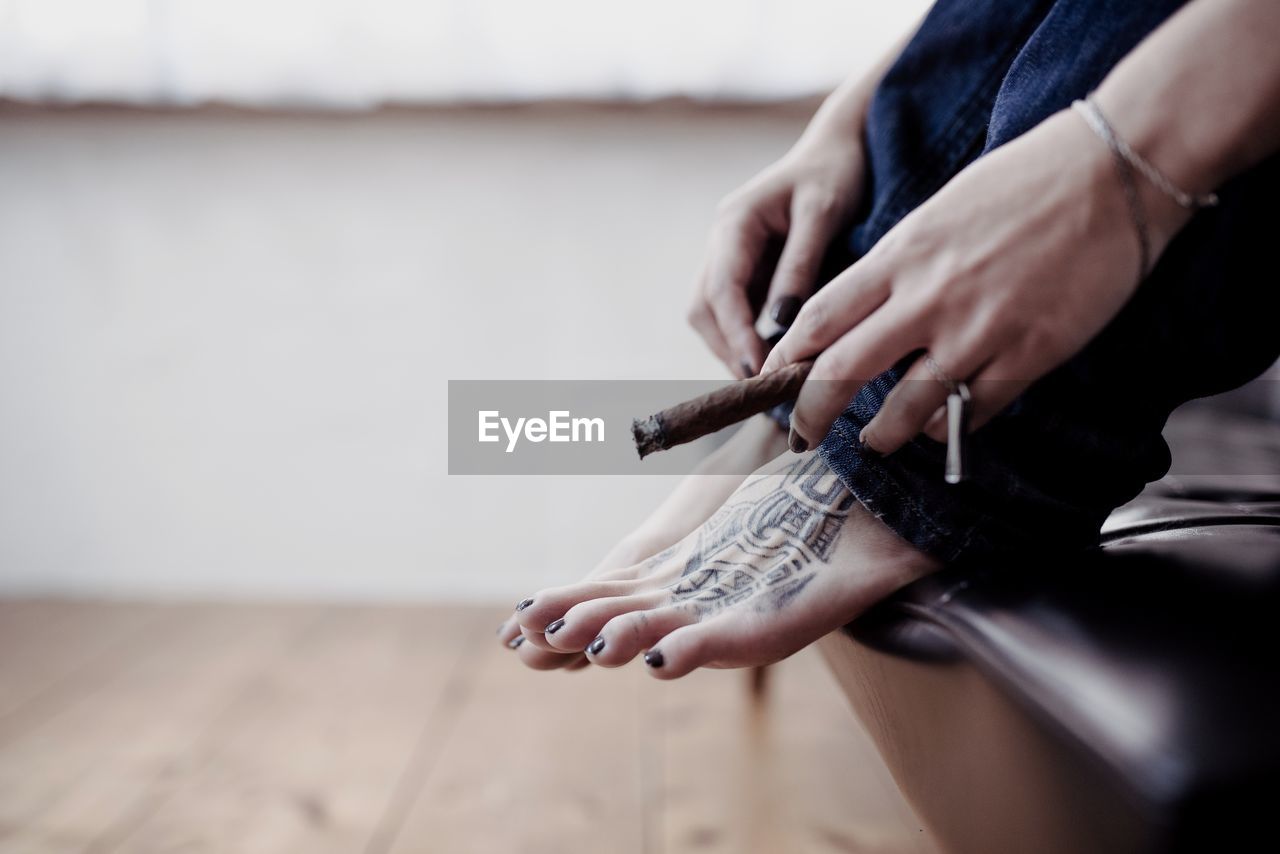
(689,505)
(789,557)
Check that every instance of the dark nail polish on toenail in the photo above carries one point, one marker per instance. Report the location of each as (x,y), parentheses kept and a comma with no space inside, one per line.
(653,658)
(525,603)
(516,641)
(555,627)
(595,646)
(796,442)
(785,310)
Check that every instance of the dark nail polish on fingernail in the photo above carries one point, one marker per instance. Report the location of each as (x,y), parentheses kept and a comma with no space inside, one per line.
(653,658)
(747,370)
(555,627)
(867,450)
(796,442)
(524,604)
(785,310)
(516,641)
(595,646)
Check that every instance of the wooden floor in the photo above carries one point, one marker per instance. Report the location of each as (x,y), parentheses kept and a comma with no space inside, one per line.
(312,729)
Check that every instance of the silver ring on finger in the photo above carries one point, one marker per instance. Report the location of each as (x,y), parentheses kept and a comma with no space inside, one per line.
(959,403)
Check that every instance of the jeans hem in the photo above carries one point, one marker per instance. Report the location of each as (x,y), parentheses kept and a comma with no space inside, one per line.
(890,499)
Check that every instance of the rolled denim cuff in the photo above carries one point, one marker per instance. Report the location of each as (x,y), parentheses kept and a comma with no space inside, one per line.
(995,511)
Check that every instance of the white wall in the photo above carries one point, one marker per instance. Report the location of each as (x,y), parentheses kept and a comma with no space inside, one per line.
(374,51)
(225,338)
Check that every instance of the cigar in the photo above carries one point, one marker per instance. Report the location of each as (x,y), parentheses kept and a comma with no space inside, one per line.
(716,410)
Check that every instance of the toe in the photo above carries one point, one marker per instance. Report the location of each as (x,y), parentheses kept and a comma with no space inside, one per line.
(584,621)
(690,647)
(508,631)
(537,640)
(626,636)
(543,608)
(539,659)
(622,573)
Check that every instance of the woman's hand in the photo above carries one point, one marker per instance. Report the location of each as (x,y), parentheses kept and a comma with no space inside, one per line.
(803,199)
(1004,274)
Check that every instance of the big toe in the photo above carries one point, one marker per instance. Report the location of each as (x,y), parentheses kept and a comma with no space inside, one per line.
(712,642)
(737,637)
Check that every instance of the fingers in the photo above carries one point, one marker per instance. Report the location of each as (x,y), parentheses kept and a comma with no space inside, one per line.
(910,407)
(990,391)
(917,403)
(936,427)
(736,249)
(736,322)
(704,323)
(812,223)
(849,299)
(847,365)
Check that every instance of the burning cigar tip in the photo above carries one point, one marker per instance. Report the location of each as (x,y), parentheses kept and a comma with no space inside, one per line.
(648,435)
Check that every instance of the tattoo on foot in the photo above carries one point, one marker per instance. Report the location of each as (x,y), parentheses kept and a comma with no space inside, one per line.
(770,541)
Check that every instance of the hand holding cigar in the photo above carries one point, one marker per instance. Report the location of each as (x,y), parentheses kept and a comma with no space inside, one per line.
(716,410)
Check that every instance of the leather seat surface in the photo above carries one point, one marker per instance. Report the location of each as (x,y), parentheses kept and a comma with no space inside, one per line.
(1158,654)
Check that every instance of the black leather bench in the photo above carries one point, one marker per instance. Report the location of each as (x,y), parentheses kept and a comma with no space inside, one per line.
(1124,700)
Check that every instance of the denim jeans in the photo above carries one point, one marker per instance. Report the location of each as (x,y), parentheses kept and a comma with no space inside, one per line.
(1087,437)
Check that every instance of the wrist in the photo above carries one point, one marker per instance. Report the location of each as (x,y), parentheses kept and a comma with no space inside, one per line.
(1173,141)
(1112,195)
(1158,146)
(1165,217)
(841,118)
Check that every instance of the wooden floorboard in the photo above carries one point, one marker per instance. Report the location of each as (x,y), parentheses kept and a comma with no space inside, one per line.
(51,649)
(536,763)
(307,756)
(97,757)
(387,730)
